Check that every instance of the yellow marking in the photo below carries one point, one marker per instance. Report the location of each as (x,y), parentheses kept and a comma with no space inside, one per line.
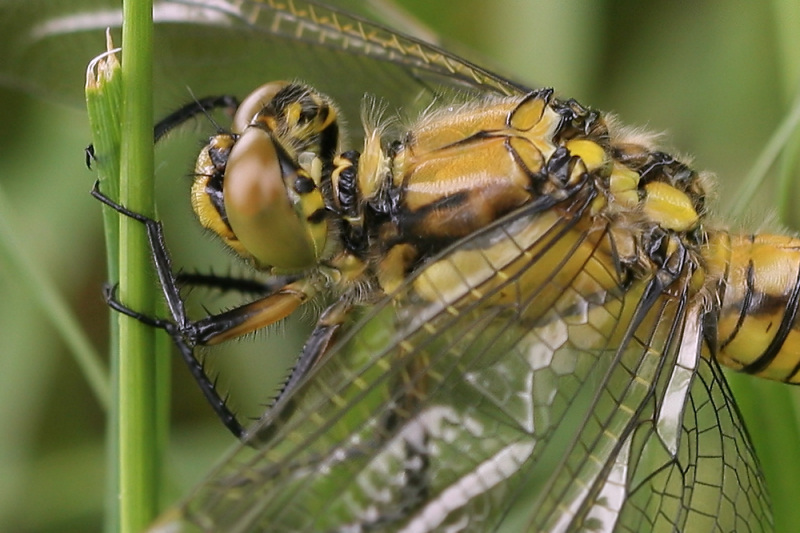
(592,154)
(528,114)
(610,435)
(698,281)
(206,212)
(406,346)
(626,409)
(337,400)
(596,460)
(623,185)
(577,173)
(292,114)
(436,130)
(447,280)
(346,267)
(528,153)
(599,204)
(394,265)
(575,261)
(669,208)
(340,164)
(483,168)
(453,310)
(625,244)
(312,165)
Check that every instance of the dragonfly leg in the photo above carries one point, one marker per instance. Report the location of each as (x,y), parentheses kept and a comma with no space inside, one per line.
(191,110)
(177,118)
(314,350)
(207,385)
(213,329)
(225,284)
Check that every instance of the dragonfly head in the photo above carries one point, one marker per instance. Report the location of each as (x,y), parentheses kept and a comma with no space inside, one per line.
(259,186)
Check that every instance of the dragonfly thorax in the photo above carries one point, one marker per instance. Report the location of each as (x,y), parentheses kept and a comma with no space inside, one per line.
(275,190)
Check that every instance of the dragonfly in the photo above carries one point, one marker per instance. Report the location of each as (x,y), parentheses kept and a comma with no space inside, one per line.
(553,362)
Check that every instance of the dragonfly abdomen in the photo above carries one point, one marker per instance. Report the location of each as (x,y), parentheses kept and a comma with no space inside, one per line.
(759,291)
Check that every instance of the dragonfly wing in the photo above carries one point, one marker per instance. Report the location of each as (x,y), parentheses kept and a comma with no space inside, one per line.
(663,447)
(540,390)
(711,481)
(208,47)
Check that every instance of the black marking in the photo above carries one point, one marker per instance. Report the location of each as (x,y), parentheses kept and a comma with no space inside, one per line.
(192,109)
(660,166)
(323,113)
(90,156)
(304,184)
(292,94)
(410,221)
(745,307)
(219,156)
(313,106)
(347,192)
(545,93)
(215,195)
(655,165)
(578,121)
(317,216)
(253,287)
(655,243)
(329,142)
(774,348)
(559,167)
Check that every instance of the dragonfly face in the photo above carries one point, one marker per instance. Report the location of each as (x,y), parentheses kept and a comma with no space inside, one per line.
(250,184)
(537,294)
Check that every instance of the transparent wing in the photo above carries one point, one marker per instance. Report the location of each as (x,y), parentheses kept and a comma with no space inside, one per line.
(230,47)
(707,480)
(539,391)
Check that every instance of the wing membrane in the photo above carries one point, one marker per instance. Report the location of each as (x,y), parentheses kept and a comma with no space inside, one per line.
(551,400)
(230,47)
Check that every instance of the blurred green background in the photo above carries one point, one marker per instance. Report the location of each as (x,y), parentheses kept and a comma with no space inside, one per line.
(716,76)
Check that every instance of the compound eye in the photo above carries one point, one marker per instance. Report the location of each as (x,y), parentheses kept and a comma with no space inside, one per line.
(254,103)
(264,210)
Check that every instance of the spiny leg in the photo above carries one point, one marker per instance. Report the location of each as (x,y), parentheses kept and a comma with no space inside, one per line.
(177,118)
(213,329)
(196,367)
(227,284)
(191,110)
(314,350)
